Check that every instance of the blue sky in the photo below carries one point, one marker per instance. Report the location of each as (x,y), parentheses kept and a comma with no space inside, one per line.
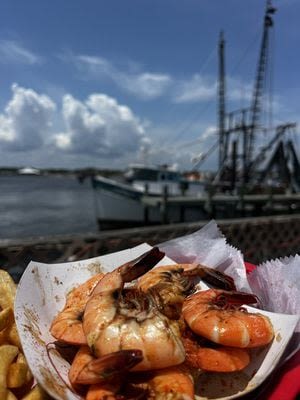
(104,83)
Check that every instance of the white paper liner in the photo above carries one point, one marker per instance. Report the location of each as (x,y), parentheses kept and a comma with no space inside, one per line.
(208,246)
(41,295)
(277,284)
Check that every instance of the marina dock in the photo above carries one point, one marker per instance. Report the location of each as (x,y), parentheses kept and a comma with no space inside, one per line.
(224,206)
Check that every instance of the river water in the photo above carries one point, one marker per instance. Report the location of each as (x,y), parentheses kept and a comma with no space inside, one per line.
(32,206)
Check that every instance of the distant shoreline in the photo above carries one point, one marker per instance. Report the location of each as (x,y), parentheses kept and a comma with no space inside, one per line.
(84,172)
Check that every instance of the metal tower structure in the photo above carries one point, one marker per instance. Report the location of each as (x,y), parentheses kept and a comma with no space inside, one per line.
(237,129)
(221,90)
(259,84)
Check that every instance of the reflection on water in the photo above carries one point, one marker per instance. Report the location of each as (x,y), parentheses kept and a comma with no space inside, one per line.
(45,205)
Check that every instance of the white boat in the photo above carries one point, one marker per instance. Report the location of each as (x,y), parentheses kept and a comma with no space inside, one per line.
(29,171)
(137,200)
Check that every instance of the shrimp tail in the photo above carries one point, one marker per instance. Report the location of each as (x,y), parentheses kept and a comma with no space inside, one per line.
(142,264)
(87,370)
(211,276)
(234,299)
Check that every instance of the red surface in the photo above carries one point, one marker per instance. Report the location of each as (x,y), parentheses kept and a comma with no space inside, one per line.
(285,384)
(287,381)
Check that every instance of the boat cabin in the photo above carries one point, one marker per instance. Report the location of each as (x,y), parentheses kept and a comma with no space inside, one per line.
(163,173)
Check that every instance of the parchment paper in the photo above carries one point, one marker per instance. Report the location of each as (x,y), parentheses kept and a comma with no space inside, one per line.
(208,246)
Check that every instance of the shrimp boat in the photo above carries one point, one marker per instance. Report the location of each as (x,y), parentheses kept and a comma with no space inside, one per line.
(248,174)
(136,199)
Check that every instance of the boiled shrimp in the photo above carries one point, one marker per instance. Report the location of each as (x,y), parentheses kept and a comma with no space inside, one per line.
(88,370)
(214,314)
(215,359)
(174,383)
(107,391)
(116,319)
(67,325)
(170,284)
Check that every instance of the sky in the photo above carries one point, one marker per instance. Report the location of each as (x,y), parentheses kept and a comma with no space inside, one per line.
(94,83)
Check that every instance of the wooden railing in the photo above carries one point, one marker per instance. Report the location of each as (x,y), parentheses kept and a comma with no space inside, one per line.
(259,239)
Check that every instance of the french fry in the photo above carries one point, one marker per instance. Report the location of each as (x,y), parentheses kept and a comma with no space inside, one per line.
(6,318)
(10,396)
(7,290)
(7,355)
(13,336)
(22,360)
(14,370)
(37,393)
(17,375)
(3,336)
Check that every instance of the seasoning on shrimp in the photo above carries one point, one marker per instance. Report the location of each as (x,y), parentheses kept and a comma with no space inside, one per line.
(173,383)
(115,320)
(204,355)
(214,314)
(88,370)
(67,325)
(170,284)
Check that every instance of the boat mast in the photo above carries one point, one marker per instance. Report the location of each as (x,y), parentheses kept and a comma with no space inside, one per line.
(258,89)
(221,90)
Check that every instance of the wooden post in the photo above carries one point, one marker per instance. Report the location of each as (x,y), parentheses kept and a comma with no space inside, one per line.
(146,207)
(183,189)
(181,213)
(164,206)
(209,206)
(242,202)
(270,201)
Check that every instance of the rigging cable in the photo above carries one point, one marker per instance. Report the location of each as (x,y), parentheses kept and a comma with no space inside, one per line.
(183,128)
(233,70)
(187,122)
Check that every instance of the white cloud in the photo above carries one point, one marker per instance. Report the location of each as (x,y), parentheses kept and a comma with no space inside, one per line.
(99,126)
(195,89)
(200,88)
(145,85)
(26,120)
(13,52)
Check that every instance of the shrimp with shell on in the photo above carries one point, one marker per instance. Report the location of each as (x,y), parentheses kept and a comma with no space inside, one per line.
(122,319)
(201,354)
(171,284)
(67,325)
(217,315)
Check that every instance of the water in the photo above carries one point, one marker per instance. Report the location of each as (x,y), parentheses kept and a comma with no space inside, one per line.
(32,206)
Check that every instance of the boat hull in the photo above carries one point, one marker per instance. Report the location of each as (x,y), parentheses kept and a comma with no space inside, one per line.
(120,206)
